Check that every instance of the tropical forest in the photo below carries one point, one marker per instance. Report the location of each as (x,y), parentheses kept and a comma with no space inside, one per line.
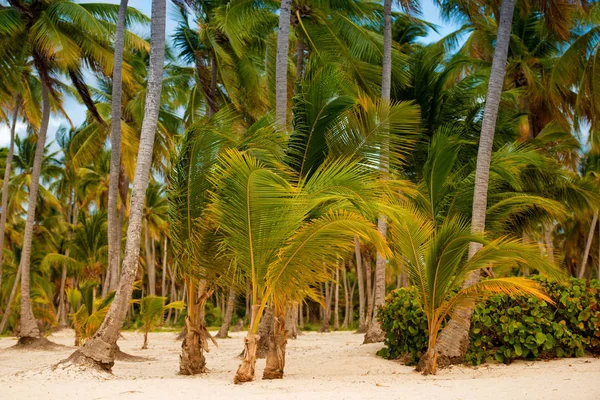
(303,199)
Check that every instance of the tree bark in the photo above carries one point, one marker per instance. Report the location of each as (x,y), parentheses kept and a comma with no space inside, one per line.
(336,300)
(588,246)
(374,333)
(283,47)
(291,320)
(99,351)
(368,274)
(114,238)
(275,364)
(265,328)
(62,309)
(224,330)
(362,327)
(346,299)
(247,368)
(28,325)
(454,338)
(163,284)
(9,158)
(150,266)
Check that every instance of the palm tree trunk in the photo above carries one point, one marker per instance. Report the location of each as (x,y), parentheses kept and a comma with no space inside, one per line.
(99,351)
(336,300)
(368,274)
(114,240)
(374,333)
(62,309)
(454,339)
(588,246)
(28,326)
(548,231)
(163,284)
(11,298)
(224,330)
(275,363)
(362,327)
(283,47)
(152,271)
(346,299)
(9,158)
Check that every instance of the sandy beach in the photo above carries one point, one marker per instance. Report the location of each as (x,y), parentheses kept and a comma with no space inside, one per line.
(319,366)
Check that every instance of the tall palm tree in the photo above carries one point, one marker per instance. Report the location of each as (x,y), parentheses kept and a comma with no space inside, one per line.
(454,340)
(281,68)
(99,351)
(7,168)
(59,36)
(114,243)
(375,333)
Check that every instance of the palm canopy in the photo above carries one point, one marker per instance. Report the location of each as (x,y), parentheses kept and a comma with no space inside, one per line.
(267,228)
(435,258)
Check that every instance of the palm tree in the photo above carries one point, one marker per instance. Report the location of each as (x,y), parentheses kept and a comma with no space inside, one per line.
(454,339)
(281,69)
(274,231)
(55,46)
(114,243)
(152,309)
(435,262)
(99,351)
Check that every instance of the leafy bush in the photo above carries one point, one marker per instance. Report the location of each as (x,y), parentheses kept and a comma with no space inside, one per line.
(505,328)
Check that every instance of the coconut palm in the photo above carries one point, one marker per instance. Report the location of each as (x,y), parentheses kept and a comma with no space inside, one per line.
(99,351)
(152,310)
(435,260)
(114,227)
(274,232)
(454,340)
(60,37)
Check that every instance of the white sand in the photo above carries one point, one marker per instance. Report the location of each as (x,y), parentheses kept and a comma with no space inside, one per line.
(319,366)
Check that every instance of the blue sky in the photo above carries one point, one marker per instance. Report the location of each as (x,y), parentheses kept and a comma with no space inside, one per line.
(77,112)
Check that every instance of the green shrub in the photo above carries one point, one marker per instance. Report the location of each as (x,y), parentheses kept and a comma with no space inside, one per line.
(505,328)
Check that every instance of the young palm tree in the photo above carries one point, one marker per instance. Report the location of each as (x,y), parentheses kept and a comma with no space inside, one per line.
(153,309)
(99,351)
(274,231)
(435,260)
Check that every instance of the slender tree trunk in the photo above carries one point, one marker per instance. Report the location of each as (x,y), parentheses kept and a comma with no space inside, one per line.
(283,47)
(265,328)
(114,239)
(29,329)
(362,326)
(588,246)
(99,351)
(62,309)
(291,320)
(163,284)
(152,272)
(346,299)
(351,317)
(374,333)
(149,244)
(548,232)
(301,314)
(224,330)
(454,339)
(11,298)
(336,304)
(9,158)
(368,274)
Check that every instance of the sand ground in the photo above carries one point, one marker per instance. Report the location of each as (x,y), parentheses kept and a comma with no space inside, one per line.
(319,366)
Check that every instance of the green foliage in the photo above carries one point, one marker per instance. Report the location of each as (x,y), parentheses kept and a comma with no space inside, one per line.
(505,328)
(90,312)
(405,325)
